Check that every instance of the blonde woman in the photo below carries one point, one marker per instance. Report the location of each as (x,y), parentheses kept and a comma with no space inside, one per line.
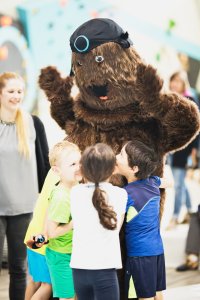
(22,172)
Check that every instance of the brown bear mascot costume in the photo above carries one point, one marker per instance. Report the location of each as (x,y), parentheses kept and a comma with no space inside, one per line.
(119,98)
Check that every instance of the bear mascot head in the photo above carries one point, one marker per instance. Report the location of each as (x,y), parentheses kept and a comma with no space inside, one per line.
(120,96)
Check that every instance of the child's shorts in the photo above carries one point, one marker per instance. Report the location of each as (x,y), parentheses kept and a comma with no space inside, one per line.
(61,273)
(148,274)
(37,267)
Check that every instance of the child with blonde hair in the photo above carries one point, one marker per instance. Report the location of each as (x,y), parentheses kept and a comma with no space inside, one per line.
(64,160)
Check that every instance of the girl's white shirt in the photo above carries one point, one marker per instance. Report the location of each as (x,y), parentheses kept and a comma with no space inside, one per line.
(95,247)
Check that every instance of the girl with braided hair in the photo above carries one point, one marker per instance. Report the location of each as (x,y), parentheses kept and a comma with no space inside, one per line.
(97,209)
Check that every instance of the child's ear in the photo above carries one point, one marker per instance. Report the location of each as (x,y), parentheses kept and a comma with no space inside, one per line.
(135,169)
(55,169)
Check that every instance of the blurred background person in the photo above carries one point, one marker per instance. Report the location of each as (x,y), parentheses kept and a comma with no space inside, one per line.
(178,83)
(192,244)
(23,146)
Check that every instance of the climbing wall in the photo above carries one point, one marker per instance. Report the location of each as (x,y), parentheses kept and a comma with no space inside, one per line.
(48,25)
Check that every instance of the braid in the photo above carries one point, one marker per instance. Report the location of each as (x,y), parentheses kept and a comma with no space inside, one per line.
(106,214)
(97,165)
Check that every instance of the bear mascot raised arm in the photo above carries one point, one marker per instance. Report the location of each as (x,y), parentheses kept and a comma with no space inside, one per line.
(120,96)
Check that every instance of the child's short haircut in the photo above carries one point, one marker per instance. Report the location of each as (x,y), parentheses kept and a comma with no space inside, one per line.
(56,151)
(142,156)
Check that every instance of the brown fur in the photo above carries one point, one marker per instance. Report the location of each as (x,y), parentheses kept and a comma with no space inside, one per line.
(136,109)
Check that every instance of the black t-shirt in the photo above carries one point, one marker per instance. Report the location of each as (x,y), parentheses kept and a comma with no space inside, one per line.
(179,158)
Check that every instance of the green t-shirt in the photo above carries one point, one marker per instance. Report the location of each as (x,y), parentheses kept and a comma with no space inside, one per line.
(59,211)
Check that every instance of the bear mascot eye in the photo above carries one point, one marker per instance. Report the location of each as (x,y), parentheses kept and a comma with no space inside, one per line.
(99,59)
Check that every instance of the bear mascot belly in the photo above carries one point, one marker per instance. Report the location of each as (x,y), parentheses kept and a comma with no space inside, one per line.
(120,98)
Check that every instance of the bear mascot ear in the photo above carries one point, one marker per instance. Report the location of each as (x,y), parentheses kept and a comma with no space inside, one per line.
(124,41)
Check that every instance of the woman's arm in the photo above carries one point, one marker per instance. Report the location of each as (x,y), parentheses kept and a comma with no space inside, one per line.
(42,151)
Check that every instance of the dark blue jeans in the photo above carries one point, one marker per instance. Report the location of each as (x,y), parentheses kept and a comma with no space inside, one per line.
(96,284)
(14,229)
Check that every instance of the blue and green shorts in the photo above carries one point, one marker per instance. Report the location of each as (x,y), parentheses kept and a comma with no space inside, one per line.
(37,267)
(61,274)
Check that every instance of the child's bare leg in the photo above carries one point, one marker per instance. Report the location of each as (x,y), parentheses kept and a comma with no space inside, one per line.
(43,293)
(159,296)
(67,298)
(31,288)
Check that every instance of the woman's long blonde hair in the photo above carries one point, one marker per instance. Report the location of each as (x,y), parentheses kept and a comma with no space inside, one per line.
(21,122)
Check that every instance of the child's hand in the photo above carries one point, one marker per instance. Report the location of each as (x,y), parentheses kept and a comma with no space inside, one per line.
(30,242)
(37,241)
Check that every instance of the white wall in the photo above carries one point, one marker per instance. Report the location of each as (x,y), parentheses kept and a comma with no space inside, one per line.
(186,13)
(8,7)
